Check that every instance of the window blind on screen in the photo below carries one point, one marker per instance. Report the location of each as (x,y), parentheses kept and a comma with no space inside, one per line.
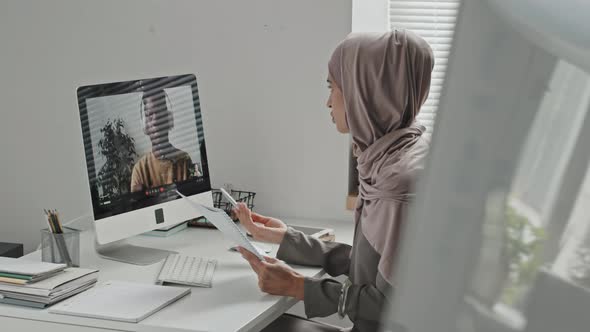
(435,22)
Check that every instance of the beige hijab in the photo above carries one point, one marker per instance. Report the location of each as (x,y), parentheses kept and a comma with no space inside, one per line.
(385,79)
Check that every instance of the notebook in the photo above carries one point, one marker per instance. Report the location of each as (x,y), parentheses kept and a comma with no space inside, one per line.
(69,279)
(22,279)
(23,303)
(121,301)
(28,267)
(39,301)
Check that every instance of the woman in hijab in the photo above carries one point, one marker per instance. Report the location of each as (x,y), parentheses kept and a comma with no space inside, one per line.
(378,83)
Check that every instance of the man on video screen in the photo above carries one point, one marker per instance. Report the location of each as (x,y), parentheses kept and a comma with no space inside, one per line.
(164,164)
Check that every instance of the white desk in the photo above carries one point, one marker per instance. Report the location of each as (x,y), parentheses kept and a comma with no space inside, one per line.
(234,303)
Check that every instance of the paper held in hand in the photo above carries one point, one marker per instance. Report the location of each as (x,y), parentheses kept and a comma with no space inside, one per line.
(226,225)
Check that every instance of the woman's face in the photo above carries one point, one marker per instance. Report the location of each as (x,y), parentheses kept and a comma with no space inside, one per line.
(336,105)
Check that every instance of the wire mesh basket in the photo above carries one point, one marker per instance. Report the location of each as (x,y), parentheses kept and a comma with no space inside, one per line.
(239,195)
(220,202)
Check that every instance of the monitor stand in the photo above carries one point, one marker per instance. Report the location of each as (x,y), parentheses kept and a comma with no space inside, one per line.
(123,252)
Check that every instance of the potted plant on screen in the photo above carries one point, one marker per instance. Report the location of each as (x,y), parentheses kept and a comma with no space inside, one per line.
(118,148)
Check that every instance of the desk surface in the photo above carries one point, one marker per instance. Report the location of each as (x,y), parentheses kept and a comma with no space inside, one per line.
(234,303)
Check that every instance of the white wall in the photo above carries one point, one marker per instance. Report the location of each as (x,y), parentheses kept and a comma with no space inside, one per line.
(261,66)
(370,15)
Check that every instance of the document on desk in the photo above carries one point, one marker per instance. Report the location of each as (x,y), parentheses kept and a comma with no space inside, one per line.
(226,225)
(121,301)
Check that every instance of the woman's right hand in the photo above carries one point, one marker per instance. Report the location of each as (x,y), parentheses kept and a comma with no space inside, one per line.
(262,228)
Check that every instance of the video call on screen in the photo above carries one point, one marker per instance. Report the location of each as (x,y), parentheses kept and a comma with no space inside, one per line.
(143,139)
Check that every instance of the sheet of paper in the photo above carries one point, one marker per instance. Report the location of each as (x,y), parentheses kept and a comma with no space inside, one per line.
(226,225)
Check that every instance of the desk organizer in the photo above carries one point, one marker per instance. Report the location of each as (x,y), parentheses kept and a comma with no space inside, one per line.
(57,248)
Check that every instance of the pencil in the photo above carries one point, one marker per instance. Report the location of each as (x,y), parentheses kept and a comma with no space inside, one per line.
(49,221)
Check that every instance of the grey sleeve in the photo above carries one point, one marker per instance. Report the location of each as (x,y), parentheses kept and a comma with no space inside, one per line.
(364,302)
(299,248)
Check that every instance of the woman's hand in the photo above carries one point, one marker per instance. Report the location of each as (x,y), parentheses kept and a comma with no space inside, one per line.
(262,228)
(275,277)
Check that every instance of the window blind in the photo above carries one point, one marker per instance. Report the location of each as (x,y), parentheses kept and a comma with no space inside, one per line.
(435,22)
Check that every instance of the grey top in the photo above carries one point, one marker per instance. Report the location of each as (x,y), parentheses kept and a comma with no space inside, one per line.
(366,296)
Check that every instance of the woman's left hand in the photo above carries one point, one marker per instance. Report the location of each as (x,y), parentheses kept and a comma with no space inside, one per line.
(275,277)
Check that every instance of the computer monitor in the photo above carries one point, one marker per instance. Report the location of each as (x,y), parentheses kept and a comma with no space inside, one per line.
(143,140)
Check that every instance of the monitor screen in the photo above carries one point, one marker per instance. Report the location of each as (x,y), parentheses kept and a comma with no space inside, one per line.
(143,139)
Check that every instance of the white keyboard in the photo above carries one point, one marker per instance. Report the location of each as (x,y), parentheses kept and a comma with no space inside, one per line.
(187,270)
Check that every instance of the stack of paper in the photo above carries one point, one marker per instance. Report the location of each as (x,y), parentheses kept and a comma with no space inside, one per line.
(48,283)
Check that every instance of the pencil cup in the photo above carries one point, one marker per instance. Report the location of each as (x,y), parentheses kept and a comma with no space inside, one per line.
(61,248)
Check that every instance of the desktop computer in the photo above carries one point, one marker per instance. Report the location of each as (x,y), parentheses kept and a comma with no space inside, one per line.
(143,140)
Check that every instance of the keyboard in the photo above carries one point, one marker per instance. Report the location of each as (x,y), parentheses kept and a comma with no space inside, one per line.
(187,270)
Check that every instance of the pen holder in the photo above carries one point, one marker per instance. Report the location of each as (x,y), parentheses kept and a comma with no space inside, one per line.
(61,248)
